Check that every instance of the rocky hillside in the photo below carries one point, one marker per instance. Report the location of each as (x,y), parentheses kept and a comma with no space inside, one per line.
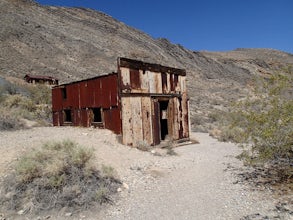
(77,43)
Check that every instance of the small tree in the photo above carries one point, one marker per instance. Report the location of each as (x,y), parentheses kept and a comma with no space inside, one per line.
(266,124)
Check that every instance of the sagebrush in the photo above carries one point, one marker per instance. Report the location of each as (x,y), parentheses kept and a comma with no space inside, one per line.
(264,124)
(18,102)
(60,174)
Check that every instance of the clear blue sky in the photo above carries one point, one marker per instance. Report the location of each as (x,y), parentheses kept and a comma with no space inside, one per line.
(214,25)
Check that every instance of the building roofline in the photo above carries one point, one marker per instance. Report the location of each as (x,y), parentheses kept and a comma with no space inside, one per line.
(95,77)
(136,64)
(40,77)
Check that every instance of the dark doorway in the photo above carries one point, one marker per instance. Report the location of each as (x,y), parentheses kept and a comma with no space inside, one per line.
(97,115)
(164,119)
(67,113)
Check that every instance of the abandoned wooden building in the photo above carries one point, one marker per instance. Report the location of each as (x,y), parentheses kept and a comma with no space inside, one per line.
(145,103)
(38,79)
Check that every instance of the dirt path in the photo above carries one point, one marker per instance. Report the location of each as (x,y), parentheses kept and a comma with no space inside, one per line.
(195,184)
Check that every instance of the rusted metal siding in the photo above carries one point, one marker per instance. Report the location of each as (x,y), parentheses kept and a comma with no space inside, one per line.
(112,119)
(145,102)
(82,96)
(57,100)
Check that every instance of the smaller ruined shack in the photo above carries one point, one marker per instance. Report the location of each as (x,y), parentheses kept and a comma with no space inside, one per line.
(145,103)
(38,79)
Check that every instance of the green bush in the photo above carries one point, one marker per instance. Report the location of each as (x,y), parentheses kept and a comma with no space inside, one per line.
(265,124)
(32,102)
(9,121)
(59,174)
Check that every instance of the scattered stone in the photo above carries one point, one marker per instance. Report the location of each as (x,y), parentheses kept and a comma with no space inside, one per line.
(125,186)
(68,214)
(8,195)
(20,212)
(2,217)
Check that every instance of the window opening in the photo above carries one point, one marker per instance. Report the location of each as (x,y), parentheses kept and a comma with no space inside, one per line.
(67,115)
(64,94)
(97,115)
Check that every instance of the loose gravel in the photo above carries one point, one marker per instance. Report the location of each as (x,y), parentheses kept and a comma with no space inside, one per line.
(195,184)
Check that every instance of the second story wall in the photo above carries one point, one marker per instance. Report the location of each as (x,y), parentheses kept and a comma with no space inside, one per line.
(138,77)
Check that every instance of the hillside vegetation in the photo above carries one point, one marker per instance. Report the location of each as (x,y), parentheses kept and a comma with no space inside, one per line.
(24,105)
(77,43)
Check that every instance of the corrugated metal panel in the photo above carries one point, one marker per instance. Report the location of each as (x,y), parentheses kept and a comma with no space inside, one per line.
(84,117)
(105,96)
(57,100)
(113,88)
(97,86)
(91,86)
(112,120)
(84,94)
(56,121)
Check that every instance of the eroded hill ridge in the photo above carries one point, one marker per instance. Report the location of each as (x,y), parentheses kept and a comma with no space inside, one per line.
(78,43)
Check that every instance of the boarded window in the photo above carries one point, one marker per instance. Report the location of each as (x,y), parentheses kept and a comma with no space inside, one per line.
(67,115)
(134,79)
(164,82)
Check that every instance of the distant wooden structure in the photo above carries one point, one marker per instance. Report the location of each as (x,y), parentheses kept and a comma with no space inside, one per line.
(144,102)
(39,79)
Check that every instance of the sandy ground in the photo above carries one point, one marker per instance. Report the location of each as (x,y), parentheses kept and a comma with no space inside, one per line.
(195,184)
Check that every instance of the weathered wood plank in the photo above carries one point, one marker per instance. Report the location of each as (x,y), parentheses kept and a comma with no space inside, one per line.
(147,119)
(127,121)
(144,80)
(136,121)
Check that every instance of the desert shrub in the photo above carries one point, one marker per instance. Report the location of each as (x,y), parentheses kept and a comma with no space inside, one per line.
(33,104)
(9,121)
(40,94)
(57,175)
(19,101)
(265,125)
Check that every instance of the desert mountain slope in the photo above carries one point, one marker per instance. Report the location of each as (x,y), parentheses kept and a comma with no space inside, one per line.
(77,43)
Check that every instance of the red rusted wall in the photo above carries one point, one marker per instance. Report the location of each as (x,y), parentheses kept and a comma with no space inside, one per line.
(99,92)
